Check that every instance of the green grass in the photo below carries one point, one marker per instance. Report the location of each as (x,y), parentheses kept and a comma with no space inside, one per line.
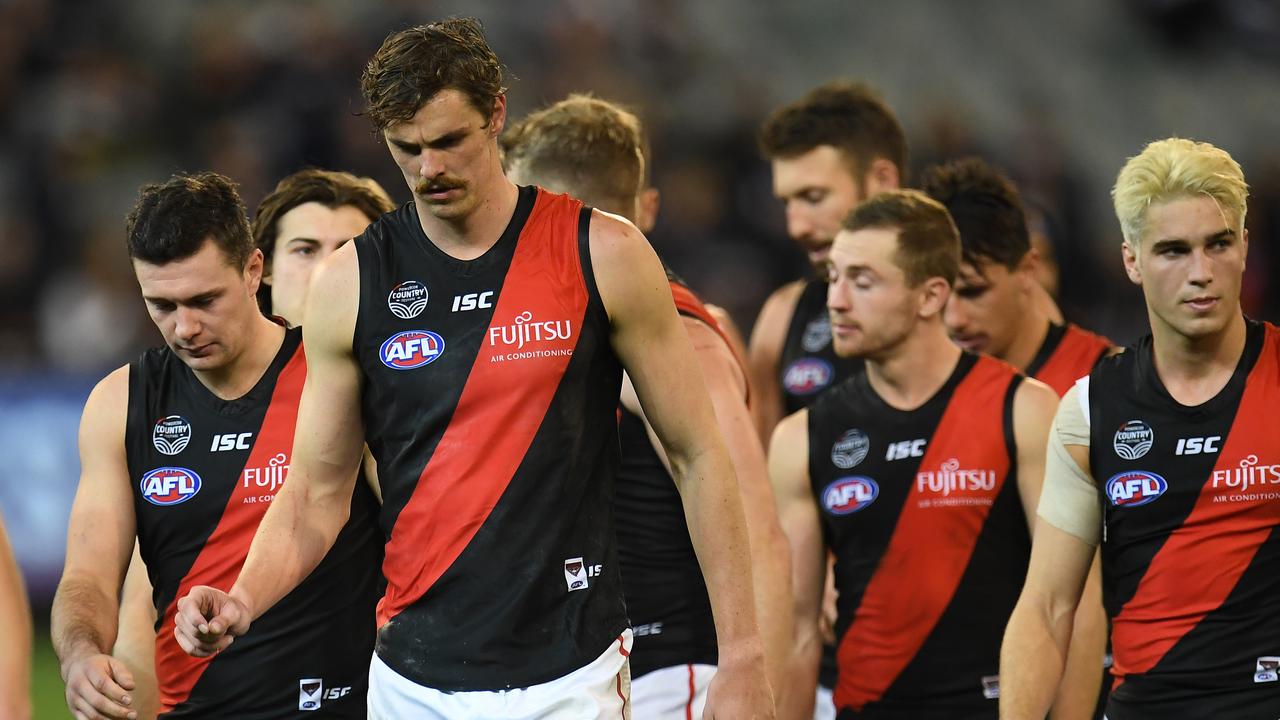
(46,681)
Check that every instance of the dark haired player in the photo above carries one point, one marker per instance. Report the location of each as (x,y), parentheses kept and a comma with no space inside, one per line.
(1165,456)
(919,474)
(674,656)
(476,338)
(186,448)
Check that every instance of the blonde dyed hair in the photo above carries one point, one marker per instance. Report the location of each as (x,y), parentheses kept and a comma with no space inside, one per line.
(1177,168)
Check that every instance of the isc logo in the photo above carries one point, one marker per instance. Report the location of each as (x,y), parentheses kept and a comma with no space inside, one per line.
(1135,487)
(471,301)
(169,486)
(905,449)
(849,495)
(411,349)
(230,441)
(807,376)
(1198,445)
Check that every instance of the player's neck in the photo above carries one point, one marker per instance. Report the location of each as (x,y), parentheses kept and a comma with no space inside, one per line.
(236,378)
(1033,329)
(1195,369)
(915,369)
(469,236)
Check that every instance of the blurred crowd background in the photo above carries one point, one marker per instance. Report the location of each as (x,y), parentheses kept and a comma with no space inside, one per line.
(99,97)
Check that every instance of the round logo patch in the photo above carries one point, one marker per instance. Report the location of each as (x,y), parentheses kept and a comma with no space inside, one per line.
(169,485)
(411,349)
(817,334)
(1133,439)
(848,495)
(171,434)
(1135,487)
(850,449)
(408,299)
(807,376)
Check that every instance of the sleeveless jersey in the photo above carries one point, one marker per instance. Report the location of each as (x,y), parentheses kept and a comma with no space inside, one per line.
(922,511)
(204,471)
(1190,552)
(666,595)
(1068,353)
(489,402)
(809,363)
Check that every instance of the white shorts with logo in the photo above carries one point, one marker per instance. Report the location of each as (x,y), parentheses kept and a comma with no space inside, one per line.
(824,706)
(673,693)
(597,691)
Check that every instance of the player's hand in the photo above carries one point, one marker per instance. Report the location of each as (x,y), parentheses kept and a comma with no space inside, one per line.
(208,620)
(740,690)
(99,686)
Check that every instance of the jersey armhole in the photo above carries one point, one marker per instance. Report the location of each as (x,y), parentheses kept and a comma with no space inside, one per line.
(595,304)
(1010,439)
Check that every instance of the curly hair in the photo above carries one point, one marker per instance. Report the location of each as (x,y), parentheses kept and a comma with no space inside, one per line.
(172,220)
(845,115)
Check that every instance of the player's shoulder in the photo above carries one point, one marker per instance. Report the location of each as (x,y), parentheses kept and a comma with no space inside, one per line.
(107,405)
(614,237)
(791,432)
(783,300)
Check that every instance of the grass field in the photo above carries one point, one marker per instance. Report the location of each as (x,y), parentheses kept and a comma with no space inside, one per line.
(46,683)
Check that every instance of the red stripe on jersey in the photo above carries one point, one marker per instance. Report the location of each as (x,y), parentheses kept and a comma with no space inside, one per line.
(1201,561)
(690,304)
(500,410)
(223,554)
(930,549)
(1075,356)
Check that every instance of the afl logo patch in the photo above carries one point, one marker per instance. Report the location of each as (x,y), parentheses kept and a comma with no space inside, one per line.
(1133,439)
(817,334)
(848,495)
(850,449)
(171,434)
(169,485)
(1134,488)
(411,349)
(807,376)
(408,299)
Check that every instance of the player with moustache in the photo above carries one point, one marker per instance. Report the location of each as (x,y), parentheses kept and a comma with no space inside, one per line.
(303,220)
(919,474)
(1164,457)
(185,449)
(594,150)
(996,308)
(476,338)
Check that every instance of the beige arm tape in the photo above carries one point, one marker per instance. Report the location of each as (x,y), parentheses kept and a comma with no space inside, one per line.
(1069,500)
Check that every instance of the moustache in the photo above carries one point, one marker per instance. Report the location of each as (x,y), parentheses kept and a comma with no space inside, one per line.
(433,186)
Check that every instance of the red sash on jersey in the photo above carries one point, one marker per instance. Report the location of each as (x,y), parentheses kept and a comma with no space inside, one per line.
(1075,356)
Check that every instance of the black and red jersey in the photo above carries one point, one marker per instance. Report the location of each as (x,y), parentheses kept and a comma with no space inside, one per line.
(1067,354)
(1190,551)
(666,595)
(921,509)
(204,471)
(809,364)
(489,402)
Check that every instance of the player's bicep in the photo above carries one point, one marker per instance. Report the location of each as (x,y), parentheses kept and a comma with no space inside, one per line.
(102,526)
(1069,500)
(764,355)
(798,513)
(1033,409)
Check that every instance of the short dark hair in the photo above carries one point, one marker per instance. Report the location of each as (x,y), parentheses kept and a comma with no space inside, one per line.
(590,148)
(928,242)
(985,207)
(846,115)
(332,189)
(172,220)
(414,64)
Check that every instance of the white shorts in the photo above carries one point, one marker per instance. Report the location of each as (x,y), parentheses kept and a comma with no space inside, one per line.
(598,691)
(674,693)
(824,706)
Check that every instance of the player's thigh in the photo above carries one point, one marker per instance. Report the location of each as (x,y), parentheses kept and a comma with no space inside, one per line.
(672,693)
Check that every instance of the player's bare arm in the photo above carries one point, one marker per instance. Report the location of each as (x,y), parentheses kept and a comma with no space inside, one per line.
(100,538)
(136,639)
(764,355)
(654,349)
(789,473)
(770,563)
(15,617)
(310,510)
(1037,640)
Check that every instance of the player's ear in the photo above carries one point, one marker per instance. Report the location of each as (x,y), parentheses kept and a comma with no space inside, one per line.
(882,175)
(498,118)
(647,203)
(253,271)
(1028,269)
(1132,267)
(934,293)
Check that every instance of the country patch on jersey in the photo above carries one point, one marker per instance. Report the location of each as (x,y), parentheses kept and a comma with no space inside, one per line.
(817,334)
(171,434)
(848,495)
(169,486)
(408,299)
(1133,440)
(411,349)
(850,449)
(807,376)
(1135,487)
